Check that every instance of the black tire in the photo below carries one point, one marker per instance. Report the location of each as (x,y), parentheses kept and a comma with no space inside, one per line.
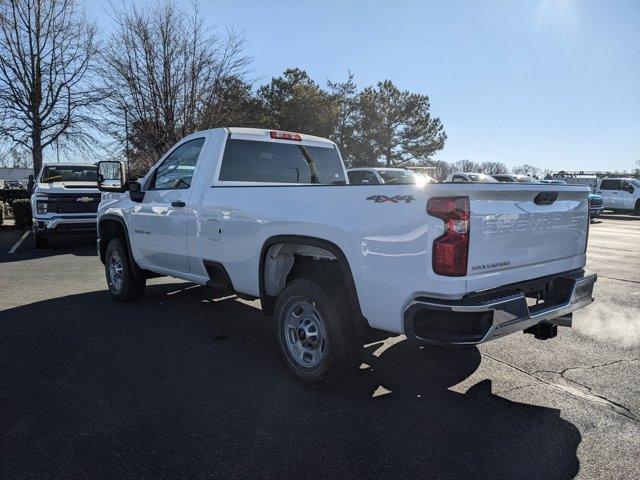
(341,351)
(39,242)
(636,211)
(130,283)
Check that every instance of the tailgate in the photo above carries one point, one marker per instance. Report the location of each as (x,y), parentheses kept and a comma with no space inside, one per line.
(523,225)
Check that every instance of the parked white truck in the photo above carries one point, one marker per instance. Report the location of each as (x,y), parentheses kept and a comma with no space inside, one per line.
(270,215)
(64,201)
(620,194)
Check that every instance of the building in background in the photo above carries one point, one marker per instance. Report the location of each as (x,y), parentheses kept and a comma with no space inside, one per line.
(14,174)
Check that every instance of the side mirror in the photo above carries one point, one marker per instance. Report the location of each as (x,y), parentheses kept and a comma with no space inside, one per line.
(111,176)
(135,191)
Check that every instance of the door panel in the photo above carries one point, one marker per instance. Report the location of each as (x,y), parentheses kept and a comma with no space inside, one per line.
(162,216)
(165,230)
(626,197)
(609,189)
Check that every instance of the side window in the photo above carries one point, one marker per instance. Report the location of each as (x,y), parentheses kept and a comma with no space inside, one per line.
(369,178)
(610,185)
(355,178)
(459,178)
(177,169)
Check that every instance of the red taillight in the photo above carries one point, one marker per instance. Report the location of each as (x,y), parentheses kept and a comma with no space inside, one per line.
(451,249)
(285,136)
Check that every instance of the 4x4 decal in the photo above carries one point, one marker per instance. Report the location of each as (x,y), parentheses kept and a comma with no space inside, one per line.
(395,199)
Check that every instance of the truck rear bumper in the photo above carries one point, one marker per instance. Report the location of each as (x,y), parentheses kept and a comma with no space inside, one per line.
(484,316)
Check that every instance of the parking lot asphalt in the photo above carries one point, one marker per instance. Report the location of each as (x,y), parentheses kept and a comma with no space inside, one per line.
(185,385)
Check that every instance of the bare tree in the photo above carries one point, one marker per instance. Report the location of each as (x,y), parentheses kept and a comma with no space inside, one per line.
(167,69)
(493,168)
(466,165)
(15,159)
(46,50)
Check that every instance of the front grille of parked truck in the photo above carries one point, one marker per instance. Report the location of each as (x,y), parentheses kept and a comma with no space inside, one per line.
(69,203)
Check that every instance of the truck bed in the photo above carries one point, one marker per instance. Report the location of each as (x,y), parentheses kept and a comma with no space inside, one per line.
(387,236)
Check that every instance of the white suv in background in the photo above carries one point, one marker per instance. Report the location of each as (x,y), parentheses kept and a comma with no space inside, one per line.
(620,193)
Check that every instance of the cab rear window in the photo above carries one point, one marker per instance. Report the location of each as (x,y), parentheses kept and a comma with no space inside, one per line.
(274,162)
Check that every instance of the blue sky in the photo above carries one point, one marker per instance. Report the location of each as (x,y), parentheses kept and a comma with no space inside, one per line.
(553,83)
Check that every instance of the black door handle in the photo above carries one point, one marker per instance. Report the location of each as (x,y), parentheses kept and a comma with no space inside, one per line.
(178,204)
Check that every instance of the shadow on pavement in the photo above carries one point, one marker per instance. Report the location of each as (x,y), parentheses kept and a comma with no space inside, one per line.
(80,246)
(181,385)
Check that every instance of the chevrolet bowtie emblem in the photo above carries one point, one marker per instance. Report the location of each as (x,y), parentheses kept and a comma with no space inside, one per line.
(84,199)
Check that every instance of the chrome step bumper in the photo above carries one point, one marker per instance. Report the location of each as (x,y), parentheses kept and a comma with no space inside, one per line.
(485,316)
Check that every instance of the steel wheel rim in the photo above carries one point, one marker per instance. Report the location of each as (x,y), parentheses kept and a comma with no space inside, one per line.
(115,271)
(305,334)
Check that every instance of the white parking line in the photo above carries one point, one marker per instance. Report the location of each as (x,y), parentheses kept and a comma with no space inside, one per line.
(15,247)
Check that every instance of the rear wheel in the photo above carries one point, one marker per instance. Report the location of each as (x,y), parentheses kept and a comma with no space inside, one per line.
(316,333)
(636,211)
(126,282)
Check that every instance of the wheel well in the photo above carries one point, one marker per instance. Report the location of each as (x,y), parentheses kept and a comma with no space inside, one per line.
(286,258)
(285,262)
(108,230)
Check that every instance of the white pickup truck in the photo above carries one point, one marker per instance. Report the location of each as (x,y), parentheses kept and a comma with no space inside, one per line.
(270,215)
(64,201)
(620,193)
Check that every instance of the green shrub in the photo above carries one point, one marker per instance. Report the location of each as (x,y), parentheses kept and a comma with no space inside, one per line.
(8,196)
(22,212)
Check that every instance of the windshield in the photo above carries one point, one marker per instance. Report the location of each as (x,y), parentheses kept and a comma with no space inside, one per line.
(481,177)
(399,177)
(636,183)
(76,173)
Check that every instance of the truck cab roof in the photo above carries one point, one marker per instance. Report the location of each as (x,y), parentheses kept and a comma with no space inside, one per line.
(271,135)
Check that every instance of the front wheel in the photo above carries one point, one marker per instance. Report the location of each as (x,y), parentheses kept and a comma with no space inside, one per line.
(124,284)
(316,333)
(636,211)
(39,241)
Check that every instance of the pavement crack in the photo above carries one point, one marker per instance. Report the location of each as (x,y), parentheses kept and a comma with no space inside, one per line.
(590,367)
(573,387)
(513,389)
